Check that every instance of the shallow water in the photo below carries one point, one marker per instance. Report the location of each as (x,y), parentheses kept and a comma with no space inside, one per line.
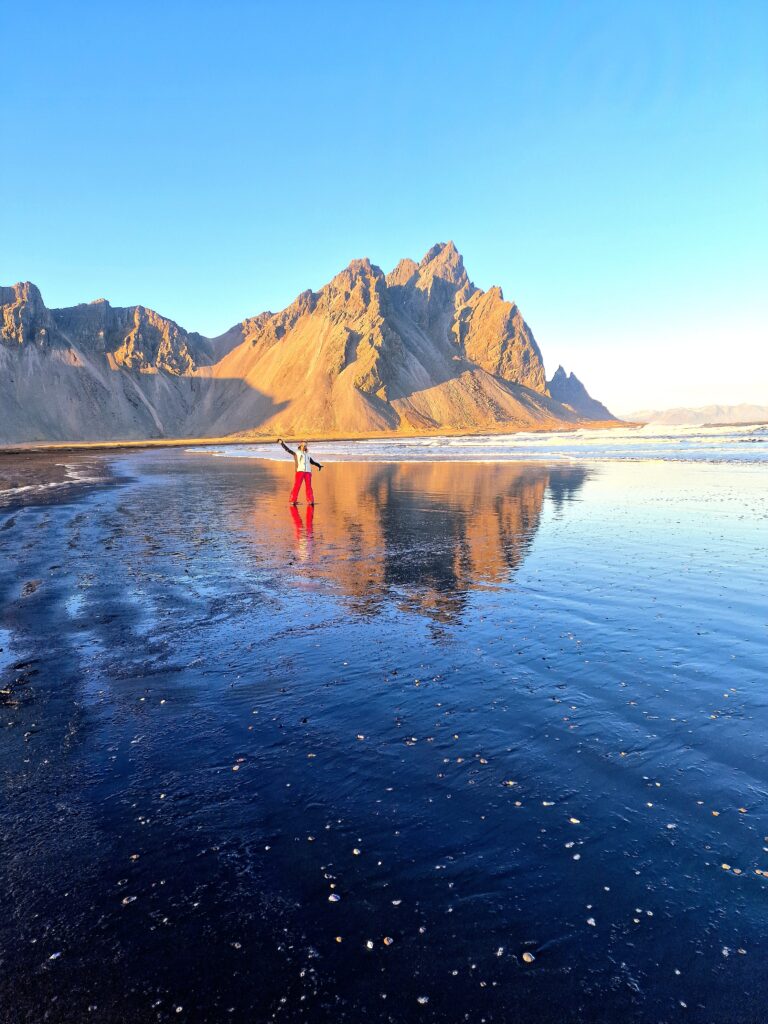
(745,443)
(533,697)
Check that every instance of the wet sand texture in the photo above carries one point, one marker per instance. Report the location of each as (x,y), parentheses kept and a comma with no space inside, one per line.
(463,743)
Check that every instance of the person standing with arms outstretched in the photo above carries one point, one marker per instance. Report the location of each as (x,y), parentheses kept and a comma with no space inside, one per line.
(303,463)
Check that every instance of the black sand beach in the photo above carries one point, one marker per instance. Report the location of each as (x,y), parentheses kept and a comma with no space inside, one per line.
(466,742)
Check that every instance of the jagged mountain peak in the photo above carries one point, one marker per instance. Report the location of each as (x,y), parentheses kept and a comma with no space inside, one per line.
(363,266)
(446,250)
(355,290)
(21,294)
(568,389)
(24,318)
(132,337)
(405,271)
(388,336)
(23,289)
(356,270)
(418,349)
(443,261)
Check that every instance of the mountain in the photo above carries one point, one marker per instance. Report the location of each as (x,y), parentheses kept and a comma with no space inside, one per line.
(418,349)
(94,372)
(703,414)
(568,389)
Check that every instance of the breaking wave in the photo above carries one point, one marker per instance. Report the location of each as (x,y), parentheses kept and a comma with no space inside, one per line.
(733,444)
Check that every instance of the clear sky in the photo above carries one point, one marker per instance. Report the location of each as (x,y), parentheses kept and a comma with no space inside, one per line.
(605,163)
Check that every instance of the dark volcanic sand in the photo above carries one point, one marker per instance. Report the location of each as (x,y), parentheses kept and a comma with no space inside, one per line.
(494,708)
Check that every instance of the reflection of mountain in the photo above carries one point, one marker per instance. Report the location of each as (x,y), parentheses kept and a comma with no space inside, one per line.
(564,484)
(426,532)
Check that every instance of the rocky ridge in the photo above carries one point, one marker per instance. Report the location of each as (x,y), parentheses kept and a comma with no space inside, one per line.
(568,389)
(420,348)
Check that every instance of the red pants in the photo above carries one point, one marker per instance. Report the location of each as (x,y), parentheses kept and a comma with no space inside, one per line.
(306,479)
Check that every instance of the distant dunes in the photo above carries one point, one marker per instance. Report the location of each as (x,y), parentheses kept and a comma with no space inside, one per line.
(419,349)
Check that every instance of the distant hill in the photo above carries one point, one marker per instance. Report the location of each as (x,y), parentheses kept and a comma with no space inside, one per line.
(714,414)
(418,349)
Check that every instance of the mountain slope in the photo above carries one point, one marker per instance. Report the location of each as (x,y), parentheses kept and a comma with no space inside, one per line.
(94,372)
(418,349)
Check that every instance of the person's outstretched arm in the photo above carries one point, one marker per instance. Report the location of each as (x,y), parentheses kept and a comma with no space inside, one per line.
(312,461)
(282,444)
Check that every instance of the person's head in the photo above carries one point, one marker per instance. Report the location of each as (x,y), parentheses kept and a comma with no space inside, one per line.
(304,446)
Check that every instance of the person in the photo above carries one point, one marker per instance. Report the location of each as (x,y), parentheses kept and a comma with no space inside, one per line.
(303,463)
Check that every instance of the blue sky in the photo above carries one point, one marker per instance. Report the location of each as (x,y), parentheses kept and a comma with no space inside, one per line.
(605,163)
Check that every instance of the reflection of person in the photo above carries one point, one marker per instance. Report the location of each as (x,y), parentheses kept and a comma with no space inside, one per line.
(303,534)
(303,463)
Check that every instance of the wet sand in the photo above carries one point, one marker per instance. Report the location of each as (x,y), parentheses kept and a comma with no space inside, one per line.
(498,710)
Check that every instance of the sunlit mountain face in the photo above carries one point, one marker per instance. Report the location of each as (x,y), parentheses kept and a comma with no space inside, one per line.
(418,349)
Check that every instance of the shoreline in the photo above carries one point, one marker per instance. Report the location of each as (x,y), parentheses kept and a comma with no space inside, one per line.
(39,447)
